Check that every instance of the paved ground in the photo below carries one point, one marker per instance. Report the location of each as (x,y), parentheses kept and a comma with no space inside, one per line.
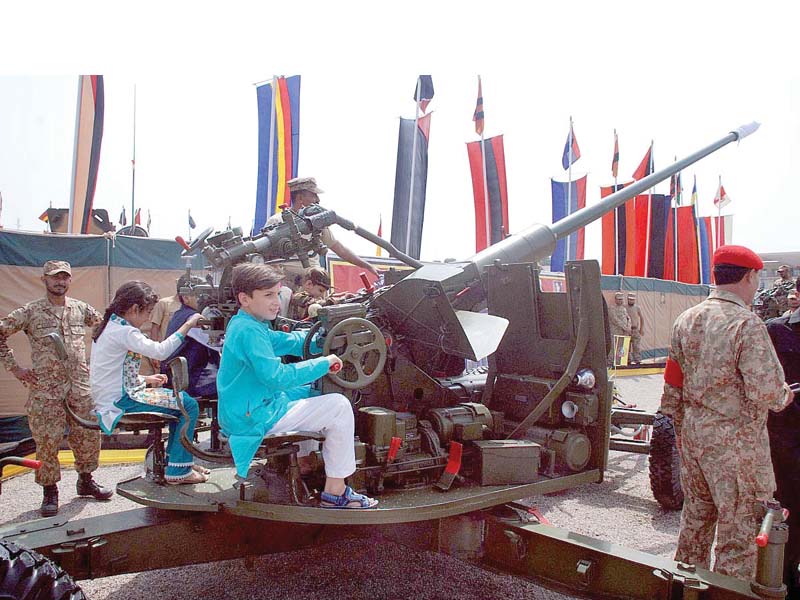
(619,510)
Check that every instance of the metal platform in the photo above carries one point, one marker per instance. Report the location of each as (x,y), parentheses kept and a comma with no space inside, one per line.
(219,495)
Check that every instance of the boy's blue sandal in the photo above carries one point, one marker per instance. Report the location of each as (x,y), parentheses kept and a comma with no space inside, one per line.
(350,499)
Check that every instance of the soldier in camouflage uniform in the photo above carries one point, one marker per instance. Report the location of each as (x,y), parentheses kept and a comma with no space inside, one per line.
(781,288)
(50,379)
(618,320)
(722,377)
(637,328)
(315,289)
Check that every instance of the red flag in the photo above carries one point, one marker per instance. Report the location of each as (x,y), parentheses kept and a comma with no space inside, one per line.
(44,217)
(138,219)
(615,158)
(645,167)
(477,116)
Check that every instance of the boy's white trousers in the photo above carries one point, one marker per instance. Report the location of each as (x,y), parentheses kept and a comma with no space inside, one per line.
(331,414)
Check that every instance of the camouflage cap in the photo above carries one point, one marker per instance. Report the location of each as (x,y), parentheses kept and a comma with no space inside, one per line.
(631,296)
(51,267)
(318,276)
(619,295)
(299,184)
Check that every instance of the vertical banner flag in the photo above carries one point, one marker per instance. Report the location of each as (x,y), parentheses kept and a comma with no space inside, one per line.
(614,233)
(659,220)
(424,92)
(496,187)
(477,116)
(278,145)
(688,257)
(572,247)
(631,236)
(723,230)
(693,200)
(571,150)
(401,219)
(706,243)
(123,219)
(645,167)
(86,158)
(615,158)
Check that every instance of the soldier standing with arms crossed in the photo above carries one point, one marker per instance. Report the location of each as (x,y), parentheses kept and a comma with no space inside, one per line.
(722,378)
(50,378)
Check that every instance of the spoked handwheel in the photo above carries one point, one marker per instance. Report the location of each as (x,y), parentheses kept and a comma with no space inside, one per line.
(362,348)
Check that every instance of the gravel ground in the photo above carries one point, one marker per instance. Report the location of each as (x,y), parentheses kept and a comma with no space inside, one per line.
(620,510)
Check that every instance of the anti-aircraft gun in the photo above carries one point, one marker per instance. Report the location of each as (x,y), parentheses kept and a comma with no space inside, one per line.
(435,441)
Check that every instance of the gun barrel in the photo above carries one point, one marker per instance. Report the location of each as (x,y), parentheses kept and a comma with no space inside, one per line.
(539,241)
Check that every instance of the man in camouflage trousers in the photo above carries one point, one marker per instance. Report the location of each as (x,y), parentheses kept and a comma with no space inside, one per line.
(50,378)
(637,328)
(722,378)
(619,321)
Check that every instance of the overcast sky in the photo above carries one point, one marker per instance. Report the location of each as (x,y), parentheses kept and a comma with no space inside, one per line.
(679,73)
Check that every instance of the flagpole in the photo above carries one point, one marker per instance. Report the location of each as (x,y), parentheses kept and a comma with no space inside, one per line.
(675,224)
(133,166)
(647,226)
(270,156)
(486,212)
(719,211)
(569,181)
(413,167)
(616,214)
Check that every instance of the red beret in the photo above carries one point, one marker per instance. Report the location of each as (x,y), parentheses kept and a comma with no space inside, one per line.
(738,256)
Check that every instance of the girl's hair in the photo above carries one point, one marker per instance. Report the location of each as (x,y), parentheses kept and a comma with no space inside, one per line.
(128,295)
(249,277)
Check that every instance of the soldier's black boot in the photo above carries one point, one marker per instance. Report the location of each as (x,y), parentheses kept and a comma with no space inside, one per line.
(88,487)
(50,501)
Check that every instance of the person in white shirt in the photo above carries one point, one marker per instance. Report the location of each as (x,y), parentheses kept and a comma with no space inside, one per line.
(117,386)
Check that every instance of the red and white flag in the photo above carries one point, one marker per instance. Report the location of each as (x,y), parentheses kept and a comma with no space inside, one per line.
(721,200)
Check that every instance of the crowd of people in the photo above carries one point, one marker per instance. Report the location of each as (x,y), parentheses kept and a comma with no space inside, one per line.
(726,388)
(134,342)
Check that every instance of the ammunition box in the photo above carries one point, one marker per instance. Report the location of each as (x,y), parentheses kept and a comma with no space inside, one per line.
(376,425)
(508,462)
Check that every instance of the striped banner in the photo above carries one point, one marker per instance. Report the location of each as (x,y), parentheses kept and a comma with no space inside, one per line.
(86,159)
(706,243)
(278,123)
(572,247)
(496,187)
(408,213)
(688,259)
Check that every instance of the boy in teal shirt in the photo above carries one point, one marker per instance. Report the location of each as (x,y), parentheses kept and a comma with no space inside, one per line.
(260,394)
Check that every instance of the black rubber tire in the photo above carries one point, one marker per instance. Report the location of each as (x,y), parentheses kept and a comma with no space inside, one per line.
(665,464)
(27,575)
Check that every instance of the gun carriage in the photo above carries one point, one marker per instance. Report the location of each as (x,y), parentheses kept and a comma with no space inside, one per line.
(449,448)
